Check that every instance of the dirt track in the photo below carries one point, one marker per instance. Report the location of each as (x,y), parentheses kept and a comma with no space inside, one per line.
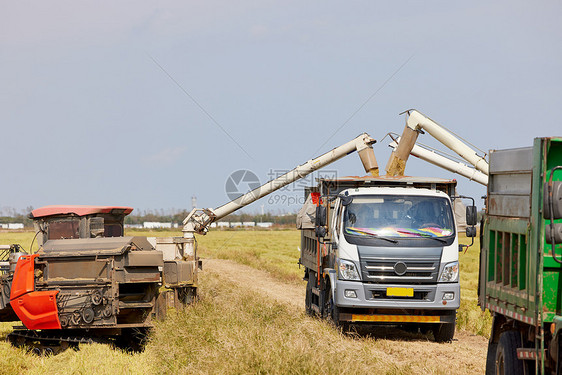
(466,354)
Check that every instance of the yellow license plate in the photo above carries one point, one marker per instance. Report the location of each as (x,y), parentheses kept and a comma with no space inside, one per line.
(400,292)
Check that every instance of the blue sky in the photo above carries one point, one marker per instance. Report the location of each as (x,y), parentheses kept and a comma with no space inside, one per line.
(88,117)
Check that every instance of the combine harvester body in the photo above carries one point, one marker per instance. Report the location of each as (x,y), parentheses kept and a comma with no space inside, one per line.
(89,283)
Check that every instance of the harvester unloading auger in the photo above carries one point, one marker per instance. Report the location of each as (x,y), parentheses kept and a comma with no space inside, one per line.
(88,282)
(405,145)
(198,220)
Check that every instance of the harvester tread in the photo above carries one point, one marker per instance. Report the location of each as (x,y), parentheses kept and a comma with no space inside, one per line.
(43,336)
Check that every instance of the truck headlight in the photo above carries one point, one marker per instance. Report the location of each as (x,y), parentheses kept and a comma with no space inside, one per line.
(347,270)
(450,273)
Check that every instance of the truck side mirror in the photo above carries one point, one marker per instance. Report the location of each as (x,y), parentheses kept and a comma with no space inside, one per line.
(471,216)
(471,231)
(320,221)
(556,200)
(320,232)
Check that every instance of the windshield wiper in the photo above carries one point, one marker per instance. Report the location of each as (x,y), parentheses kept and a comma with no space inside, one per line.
(429,237)
(436,238)
(432,238)
(382,238)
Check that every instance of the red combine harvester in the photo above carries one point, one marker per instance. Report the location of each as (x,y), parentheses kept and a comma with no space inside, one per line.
(88,282)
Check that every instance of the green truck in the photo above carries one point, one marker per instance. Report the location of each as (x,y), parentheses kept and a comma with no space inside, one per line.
(521,259)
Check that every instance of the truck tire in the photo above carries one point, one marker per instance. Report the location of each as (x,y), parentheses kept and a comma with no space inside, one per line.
(444,332)
(333,311)
(491,358)
(308,296)
(506,354)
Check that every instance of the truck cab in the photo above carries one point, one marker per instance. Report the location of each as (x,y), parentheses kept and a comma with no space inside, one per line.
(388,253)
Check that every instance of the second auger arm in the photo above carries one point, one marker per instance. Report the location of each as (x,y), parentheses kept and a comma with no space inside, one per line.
(416,123)
(425,153)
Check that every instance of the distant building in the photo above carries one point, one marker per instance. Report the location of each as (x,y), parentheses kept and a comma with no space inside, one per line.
(155,225)
(134,226)
(240,224)
(11,226)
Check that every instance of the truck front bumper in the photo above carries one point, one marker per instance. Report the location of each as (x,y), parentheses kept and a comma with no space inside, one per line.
(440,296)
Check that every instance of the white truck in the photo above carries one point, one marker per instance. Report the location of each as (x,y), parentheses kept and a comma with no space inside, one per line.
(384,250)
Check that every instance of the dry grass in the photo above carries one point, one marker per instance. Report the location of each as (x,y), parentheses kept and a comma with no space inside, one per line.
(470,317)
(233,330)
(23,238)
(95,358)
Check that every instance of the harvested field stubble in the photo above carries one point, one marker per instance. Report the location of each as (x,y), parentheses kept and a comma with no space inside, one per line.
(235,330)
(240,326)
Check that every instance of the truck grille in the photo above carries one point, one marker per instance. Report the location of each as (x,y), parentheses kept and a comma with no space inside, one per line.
(396,271)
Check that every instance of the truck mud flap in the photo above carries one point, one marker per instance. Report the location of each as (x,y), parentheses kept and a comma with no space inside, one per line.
(381,318)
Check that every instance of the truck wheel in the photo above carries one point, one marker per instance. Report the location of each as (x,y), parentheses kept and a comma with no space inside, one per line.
(491,358)
(506,354)
(444,332)
(333,311)
(308,299)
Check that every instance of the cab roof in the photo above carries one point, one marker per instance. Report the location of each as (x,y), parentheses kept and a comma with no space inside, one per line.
(78,210)
(334,186)
(390,179)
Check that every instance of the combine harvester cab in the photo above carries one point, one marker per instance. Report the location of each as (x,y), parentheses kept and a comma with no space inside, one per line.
(89,283)
(521,259)
(383,251)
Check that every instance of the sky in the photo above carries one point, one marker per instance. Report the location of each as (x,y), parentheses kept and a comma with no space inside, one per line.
(149,103)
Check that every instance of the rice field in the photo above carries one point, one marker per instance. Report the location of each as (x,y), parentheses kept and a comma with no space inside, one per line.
(233,330)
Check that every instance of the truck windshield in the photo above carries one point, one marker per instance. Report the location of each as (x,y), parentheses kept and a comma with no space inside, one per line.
(399,216)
